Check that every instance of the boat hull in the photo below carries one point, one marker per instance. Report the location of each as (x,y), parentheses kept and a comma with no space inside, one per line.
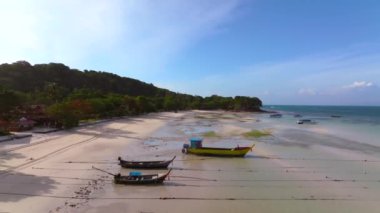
(141,180)
(220,152)
(145,164)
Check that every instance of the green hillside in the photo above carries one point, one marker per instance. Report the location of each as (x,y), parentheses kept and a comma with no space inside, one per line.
(71,94)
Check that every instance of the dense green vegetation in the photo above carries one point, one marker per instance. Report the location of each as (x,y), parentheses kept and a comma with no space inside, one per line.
(72,95)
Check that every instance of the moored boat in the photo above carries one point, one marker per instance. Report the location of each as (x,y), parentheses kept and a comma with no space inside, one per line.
(145,164)
(138,179)
(306,121)
(276,115)
(196,148)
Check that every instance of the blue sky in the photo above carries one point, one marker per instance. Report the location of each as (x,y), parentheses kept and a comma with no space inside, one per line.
(284,52)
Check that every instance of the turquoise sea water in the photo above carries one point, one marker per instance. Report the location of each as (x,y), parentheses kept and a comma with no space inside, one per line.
(359,123)
(353,114)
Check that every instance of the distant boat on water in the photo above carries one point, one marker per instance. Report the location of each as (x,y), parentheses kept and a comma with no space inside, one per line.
(276,115)
(306,121)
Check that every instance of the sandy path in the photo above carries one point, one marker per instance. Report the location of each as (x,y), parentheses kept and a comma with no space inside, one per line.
(295,170)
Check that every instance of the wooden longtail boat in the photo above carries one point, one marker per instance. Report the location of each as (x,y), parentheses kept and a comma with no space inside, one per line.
(145,164)
(135,178)
(196,147)
(141,179)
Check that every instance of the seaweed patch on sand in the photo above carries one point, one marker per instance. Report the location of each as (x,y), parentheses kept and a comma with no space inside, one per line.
(257,133)
(210,134)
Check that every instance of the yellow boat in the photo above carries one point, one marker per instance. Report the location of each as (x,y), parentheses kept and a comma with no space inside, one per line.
(196,148)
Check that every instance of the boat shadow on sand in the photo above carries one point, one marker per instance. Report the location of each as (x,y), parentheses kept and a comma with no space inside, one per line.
(257,157)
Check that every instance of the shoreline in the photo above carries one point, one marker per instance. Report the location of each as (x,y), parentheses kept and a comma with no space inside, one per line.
(290,171)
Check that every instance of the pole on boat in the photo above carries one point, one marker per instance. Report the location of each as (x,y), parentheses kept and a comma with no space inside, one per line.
(103,171)
(173,159)
(168,173)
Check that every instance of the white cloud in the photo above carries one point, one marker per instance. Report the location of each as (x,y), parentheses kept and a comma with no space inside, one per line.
(359,84)
(114,35)
(318,78)
(63,31)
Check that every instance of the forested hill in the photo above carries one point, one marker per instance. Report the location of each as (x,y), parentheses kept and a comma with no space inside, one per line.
(23,77)
(69,95)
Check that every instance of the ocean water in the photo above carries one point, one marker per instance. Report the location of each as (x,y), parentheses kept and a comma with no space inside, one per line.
(359,123)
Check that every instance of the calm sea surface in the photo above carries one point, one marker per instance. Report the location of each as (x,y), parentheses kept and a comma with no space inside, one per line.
(361,123)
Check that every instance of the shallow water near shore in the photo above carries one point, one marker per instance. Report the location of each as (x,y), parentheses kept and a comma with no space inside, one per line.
(359,123)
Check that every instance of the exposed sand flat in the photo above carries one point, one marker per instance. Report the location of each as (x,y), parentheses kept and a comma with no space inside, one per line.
(297,169)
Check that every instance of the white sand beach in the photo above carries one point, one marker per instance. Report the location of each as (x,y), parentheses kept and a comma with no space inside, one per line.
(296,169)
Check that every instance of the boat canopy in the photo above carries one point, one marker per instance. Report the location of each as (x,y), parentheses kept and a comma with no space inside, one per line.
(196,142)
(196,139)
(135,173)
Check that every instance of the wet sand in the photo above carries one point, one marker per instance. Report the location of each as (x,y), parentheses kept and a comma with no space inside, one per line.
(296,169)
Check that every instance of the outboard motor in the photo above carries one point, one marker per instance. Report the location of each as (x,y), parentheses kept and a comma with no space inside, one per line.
(185,147)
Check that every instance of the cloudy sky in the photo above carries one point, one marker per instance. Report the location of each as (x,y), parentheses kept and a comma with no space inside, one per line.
(285,52)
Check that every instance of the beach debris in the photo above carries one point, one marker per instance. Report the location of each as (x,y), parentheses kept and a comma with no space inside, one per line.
(82,195)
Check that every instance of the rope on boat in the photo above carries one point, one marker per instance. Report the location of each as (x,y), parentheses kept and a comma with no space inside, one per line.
(215,170)
(195,159)
(103,171)
(60,169)
(195,178)
(93,162)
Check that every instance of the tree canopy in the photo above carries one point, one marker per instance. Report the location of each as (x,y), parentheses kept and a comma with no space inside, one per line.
(71,95)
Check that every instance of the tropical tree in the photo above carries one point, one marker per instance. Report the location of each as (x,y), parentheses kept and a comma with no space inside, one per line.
(8,100)
(62,113)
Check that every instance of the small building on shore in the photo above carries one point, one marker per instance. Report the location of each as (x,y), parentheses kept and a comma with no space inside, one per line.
(21,124)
